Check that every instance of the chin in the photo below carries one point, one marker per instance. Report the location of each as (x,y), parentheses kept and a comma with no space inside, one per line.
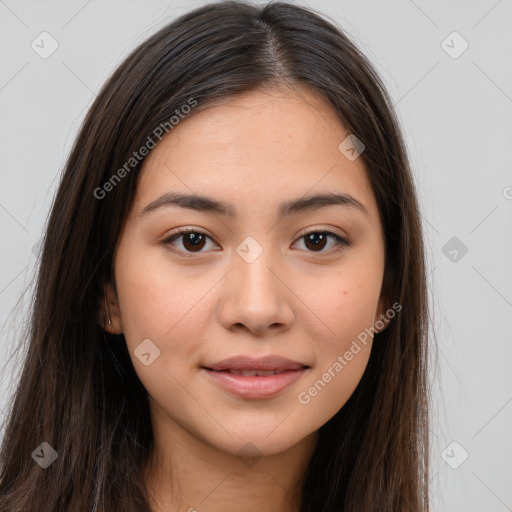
(257,443)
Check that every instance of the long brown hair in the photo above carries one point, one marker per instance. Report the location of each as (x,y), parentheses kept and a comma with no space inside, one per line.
(78,390)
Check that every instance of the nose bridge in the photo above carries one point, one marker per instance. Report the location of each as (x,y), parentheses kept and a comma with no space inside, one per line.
(256,297)
(257,283)
(256,278)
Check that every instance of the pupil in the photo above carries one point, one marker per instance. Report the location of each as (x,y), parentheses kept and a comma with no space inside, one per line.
(195,239)
(315,237)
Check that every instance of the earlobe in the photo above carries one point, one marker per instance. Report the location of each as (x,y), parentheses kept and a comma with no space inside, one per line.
(381,319)
(109,316)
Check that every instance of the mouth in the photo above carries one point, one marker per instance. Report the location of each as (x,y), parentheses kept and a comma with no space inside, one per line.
(251,373)
(248,377)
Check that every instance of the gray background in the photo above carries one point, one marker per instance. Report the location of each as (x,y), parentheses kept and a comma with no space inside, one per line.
(456,114)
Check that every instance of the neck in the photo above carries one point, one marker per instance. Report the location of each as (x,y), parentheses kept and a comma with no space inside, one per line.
(186,474)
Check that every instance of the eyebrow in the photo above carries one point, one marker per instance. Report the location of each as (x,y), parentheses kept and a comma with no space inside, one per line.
(292,206)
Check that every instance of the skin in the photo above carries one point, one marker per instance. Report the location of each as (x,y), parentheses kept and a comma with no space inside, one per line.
(304,302)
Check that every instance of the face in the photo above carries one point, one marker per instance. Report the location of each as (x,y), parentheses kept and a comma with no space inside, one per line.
(250,277)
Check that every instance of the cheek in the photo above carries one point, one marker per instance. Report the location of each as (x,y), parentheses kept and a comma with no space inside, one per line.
(332,384)
(346,304)
(161,303)
(347,307)
(341,360)
(165,308)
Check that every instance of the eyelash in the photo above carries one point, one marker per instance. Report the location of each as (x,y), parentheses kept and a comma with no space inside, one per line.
(342,243)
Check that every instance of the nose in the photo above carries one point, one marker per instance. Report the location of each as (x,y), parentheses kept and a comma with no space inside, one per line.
(256,297)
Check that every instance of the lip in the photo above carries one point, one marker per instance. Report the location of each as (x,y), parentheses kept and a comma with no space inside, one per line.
(256,386)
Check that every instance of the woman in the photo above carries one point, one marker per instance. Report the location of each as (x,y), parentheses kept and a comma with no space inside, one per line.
(231,307)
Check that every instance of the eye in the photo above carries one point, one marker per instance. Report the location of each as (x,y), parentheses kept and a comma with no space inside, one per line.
(193,241)
(317,240)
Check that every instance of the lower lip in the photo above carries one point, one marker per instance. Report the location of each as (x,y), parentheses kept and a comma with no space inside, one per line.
(255,386)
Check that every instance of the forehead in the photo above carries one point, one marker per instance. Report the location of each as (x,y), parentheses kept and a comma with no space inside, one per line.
(264,146)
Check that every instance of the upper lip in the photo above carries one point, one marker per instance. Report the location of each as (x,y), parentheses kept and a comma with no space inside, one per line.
(251,363)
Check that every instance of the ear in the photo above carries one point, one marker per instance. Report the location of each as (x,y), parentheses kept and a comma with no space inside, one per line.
(108,309)
(381,319)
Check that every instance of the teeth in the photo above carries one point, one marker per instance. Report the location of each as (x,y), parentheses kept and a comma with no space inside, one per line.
(252,373)
(263,373)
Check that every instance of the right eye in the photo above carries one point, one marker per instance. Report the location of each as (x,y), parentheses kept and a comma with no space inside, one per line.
(193,241)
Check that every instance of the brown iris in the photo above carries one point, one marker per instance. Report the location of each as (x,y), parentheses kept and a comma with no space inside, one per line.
(312,239)
(193,241)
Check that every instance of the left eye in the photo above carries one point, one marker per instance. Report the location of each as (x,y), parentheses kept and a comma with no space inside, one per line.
(315,238)
(193,241)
